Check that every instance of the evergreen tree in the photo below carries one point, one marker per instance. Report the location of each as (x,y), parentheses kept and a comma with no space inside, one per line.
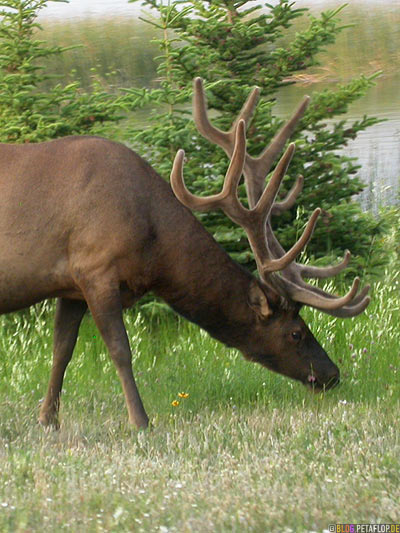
(28,113)
(234,45)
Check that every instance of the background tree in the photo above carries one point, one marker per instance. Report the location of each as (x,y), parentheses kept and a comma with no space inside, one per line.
(235,45)
(28,111)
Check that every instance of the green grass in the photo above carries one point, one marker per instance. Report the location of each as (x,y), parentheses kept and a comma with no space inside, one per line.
(248,450)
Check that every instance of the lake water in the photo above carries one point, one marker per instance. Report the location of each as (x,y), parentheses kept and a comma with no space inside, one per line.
(378,148)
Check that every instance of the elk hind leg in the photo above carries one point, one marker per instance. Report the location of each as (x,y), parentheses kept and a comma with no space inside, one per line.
(69,314)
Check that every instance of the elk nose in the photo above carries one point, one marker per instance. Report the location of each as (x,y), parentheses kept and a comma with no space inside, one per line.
(332,379)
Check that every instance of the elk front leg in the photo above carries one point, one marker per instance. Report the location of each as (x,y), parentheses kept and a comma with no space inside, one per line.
(105,305)
(69,314)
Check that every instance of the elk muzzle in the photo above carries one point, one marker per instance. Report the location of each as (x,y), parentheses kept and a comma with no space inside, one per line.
(322,373)
(324,380)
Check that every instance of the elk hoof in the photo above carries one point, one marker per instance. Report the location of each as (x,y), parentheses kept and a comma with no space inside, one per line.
(49,421)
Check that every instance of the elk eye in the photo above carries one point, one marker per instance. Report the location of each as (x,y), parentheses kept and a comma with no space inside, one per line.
(296,336)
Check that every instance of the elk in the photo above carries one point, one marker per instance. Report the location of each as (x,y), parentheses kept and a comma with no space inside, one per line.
(89,222)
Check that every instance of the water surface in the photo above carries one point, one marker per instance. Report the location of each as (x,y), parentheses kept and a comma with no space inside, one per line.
(373,44)
(377,148)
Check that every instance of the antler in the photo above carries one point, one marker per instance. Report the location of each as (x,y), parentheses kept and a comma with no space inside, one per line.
(269,254)
(256,167)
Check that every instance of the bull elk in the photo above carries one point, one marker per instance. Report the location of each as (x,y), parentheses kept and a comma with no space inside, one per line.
(87,221)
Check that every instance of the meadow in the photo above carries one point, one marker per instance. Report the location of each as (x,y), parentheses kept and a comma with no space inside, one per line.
(232,446)
(242,449)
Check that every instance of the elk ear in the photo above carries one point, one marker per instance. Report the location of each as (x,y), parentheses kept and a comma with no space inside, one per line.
(258,301)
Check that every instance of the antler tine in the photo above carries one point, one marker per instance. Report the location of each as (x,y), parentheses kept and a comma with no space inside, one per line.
(267,198)
(268,156)
(288,202)
(248,108)
(227,199)
(356,300)
(291,283)
(349,311)
(323,303)
(224,139)
(200,116)
(308,271)
(356,307)
(266,262)
(257,168)
(283,261)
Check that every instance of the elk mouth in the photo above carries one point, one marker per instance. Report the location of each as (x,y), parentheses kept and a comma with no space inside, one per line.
(314,384)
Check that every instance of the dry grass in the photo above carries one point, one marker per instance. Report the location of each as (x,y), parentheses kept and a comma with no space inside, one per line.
(279,469)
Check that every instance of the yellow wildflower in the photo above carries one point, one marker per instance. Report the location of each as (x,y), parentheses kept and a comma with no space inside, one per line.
(175,403)
(183,395)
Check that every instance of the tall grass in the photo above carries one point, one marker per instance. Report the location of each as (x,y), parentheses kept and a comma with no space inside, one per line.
(247,450)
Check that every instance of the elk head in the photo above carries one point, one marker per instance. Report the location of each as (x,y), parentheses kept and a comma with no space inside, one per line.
(279,340)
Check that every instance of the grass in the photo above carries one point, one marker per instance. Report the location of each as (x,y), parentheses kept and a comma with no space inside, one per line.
(247,450)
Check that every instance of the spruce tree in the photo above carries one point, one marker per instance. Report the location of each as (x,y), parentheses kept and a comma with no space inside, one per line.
(28,112)
(233,46)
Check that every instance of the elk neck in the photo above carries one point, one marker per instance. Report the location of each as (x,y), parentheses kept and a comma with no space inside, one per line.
(198,279)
